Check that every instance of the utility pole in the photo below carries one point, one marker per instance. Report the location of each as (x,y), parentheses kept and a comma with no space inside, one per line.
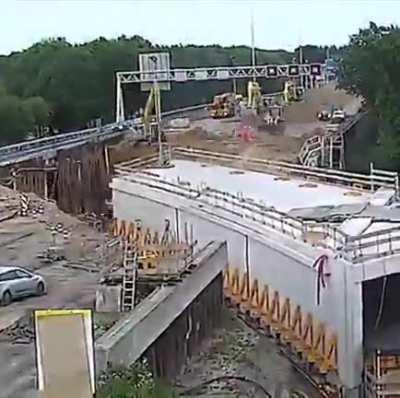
(253,50)
(157,106)
(234,79)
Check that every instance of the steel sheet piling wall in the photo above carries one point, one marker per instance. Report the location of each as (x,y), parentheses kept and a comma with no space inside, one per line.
(184,336)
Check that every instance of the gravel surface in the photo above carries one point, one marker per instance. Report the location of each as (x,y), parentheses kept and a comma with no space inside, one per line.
(252,360)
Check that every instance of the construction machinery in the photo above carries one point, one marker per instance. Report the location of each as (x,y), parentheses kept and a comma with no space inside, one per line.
(323,115)
(292,92)
(153,103)
(273,115)
(254,97)
(223,106)
(335,116)
(338,116)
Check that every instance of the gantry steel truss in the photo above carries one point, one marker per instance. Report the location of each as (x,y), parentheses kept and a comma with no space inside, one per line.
(182,75)
(220,73)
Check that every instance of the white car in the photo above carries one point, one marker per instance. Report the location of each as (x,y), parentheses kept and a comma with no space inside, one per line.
(338,117)
(17,282)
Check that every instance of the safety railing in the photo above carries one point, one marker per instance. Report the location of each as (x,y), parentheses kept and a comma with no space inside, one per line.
(381,375)
(375,388)
(183,110)
(380,243)
(242,208)
(128,166)
(371,245)
(309,144)
(59,140)
(375,180)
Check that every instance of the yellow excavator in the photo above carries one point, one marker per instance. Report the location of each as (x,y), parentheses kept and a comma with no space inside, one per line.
(223,106)
(292,92)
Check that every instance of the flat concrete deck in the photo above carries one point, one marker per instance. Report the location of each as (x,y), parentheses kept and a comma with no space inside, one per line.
(281,193)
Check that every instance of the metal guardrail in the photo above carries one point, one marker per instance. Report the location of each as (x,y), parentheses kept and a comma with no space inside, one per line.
(10,153)
(239,206)
(354,248)
(183,110)
(376,179)
(375,387)
(314,147)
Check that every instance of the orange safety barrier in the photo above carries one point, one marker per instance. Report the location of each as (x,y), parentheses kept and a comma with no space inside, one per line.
(307,337)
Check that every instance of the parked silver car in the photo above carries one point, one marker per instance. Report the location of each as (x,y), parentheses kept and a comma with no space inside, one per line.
(16,282)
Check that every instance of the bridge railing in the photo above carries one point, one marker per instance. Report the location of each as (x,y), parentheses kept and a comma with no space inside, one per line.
(375,180)
(375,244)
(43,142)
(355,249)
(242,207)
(58,140)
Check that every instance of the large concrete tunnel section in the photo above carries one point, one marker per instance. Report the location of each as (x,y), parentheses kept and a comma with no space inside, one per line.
(269,253)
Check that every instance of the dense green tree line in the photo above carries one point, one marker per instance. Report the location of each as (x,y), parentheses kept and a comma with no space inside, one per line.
(370,69)
(64,85)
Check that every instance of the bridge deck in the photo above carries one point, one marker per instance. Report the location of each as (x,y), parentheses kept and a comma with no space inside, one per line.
(281,193)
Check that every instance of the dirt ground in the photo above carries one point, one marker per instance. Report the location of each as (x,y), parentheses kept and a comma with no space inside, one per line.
(319,99)
(238,351)
(23,241)
(281,143)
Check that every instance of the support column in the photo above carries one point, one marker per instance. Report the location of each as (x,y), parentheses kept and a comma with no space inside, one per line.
(351,360)
(45,187)
(119,111)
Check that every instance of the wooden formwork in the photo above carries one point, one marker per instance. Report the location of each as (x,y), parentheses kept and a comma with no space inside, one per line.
(283,319)
(149,245)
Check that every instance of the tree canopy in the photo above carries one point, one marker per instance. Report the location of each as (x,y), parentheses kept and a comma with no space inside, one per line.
(68,85)
(369,68)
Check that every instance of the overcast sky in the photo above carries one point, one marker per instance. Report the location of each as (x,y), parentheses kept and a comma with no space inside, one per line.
(278,23)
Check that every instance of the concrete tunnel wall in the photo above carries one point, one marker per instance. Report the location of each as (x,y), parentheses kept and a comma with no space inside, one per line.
(275,260)
(139,331)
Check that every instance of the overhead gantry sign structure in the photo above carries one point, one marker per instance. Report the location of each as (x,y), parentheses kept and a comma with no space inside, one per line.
(158,72)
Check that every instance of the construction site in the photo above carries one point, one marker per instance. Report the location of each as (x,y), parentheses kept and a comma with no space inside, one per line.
(225,244)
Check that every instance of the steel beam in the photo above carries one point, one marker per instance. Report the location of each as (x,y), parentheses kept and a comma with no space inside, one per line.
(181,75)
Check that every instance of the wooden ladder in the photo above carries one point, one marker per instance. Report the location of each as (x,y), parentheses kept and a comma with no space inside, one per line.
(129,279)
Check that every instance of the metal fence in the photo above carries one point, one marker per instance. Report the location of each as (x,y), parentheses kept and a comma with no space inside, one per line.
(353,248)
(371,182)
(30,148)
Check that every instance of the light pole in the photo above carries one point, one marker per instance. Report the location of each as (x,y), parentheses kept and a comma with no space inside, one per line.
(234,79)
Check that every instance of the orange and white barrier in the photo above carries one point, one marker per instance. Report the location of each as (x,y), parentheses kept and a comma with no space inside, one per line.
(283,319)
